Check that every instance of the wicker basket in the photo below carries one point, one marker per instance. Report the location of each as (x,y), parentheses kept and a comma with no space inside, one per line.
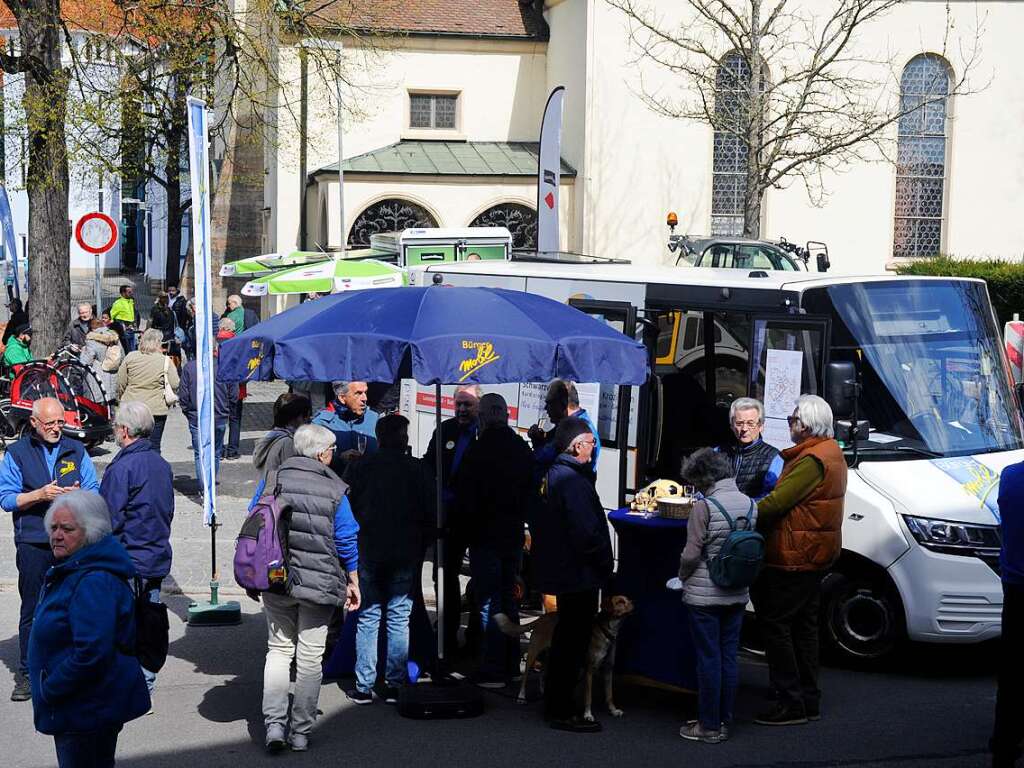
(674,507)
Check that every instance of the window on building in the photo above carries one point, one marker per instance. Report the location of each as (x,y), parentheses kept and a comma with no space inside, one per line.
(518,219)
(729,163)
(391,215)
(429,110)
(921,157)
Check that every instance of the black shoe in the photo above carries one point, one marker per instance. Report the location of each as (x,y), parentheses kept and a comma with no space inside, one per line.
(813,711)
(229,457)
(359,697)
(391,694)
(780,714)
(576,725)
(22,690)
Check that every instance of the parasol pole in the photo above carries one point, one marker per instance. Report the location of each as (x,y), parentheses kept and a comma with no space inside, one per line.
(439,549)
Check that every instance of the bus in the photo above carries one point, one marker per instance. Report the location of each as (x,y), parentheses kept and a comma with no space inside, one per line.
(915,363)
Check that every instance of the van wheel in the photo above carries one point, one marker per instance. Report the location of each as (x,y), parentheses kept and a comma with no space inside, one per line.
(861,616)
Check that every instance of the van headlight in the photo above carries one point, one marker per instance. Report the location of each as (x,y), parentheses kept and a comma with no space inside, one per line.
(953,538)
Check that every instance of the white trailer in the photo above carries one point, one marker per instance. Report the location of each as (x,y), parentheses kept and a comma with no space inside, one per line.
(920,534)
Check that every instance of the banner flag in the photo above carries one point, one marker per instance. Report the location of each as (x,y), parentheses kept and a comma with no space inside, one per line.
(200,173)
(549,171)
(10,243)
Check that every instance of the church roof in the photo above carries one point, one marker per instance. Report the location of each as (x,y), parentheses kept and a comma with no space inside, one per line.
(449,158)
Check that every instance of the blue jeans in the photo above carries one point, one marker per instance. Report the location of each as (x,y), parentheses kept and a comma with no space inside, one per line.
(716,638)
(383,585)
(218,443)
(494,579)
(32,562)
(87,749)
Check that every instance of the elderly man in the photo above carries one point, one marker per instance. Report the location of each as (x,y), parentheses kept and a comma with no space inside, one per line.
(561,402)
(79,327)
(756,464)
(236,312)
(352,422)
(801,521)
(494,492)
(457,434)
(138,488)
(37,469)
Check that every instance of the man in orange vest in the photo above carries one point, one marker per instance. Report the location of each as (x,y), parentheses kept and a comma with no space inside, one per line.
(801,521)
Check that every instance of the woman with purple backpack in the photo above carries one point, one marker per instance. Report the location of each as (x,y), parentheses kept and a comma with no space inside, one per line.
(321,548)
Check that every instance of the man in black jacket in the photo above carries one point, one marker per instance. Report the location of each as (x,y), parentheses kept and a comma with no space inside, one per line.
(392,497)
(457,434)
(494,488)
(573,559)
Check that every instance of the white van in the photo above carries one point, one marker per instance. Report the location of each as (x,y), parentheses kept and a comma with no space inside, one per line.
(920,536)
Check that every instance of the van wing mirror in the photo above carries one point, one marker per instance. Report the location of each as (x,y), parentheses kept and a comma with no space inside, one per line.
(841,389)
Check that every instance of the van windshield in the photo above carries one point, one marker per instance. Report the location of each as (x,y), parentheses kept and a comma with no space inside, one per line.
(931,365)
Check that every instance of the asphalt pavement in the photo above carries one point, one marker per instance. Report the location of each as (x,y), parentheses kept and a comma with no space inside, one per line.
(929,708)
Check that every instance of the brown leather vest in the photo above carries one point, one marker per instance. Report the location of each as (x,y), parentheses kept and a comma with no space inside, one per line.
(809,538)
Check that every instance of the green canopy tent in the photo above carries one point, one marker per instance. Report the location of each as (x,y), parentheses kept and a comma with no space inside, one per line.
(330,276)
(258,266)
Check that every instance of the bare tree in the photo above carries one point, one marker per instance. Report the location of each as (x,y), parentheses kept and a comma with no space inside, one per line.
(793,90)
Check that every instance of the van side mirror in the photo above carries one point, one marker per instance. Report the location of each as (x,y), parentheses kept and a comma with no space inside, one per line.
(823,262)
(841,389)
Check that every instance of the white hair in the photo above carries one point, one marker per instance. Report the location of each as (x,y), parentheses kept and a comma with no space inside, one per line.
(226,324)
(37,405)
(151,342)
(816,415)
(89,510)
(311,440)
(341,387)
(746,404)
(136,417)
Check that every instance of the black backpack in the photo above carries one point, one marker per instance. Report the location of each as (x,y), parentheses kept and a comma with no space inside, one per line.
(152,629)
(739,559)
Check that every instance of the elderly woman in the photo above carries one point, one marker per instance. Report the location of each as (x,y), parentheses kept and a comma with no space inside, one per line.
(84,686)
(102,352)
(801,520)
(716,613)
(321,548)
(141,377)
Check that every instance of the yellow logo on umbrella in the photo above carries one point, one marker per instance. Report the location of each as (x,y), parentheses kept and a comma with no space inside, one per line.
(483,355)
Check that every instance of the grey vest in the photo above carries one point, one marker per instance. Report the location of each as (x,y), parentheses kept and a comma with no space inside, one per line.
(309,495)
(699,590)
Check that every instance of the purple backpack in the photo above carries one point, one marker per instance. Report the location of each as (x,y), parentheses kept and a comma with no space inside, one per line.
(261,550)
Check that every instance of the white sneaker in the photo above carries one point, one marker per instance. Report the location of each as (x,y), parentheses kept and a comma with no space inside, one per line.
(298,742)
(275,738)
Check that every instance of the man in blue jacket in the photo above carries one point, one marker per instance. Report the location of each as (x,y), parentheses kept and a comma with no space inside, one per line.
(561,402)
(138,488)
(37,469)
(354,424)
(1008,733)
(573,554)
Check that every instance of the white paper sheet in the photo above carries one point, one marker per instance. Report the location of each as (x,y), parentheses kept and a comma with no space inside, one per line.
(782,382)
(776,432)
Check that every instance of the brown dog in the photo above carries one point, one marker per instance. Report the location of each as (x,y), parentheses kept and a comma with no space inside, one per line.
(600,654)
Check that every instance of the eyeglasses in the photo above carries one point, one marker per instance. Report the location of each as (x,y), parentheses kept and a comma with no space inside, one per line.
(745,424)
(53,423)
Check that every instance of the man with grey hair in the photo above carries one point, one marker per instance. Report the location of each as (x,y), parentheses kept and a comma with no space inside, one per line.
(756,464)
(79,327)
(801,521)
(37,469)
(138,488)
(494,491)
(354,424)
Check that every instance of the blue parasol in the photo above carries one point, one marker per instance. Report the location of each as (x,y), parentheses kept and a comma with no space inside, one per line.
(436,335)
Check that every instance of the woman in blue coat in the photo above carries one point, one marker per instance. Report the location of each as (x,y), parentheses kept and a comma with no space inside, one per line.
(85,686)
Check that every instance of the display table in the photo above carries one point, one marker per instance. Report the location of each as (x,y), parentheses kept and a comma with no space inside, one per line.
(654,643)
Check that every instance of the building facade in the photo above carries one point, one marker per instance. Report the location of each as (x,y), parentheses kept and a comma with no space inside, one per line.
(449,115)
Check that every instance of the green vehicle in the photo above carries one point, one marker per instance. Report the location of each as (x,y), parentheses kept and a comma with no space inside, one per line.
(416,247)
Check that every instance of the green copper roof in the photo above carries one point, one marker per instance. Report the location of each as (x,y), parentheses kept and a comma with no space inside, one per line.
(449,158)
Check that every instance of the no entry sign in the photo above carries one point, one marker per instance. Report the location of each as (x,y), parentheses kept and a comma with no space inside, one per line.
(96,232)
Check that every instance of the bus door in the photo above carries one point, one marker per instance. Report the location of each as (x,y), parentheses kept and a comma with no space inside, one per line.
(615,418)
(789,355)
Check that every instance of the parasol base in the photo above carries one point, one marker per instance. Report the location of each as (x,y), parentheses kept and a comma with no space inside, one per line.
(212,612)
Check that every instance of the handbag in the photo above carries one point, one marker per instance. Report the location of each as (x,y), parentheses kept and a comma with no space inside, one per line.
(152,630)
(170,396)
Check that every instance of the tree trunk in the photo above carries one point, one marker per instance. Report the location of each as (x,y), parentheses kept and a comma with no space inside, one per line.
(49,231)
(755,127)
